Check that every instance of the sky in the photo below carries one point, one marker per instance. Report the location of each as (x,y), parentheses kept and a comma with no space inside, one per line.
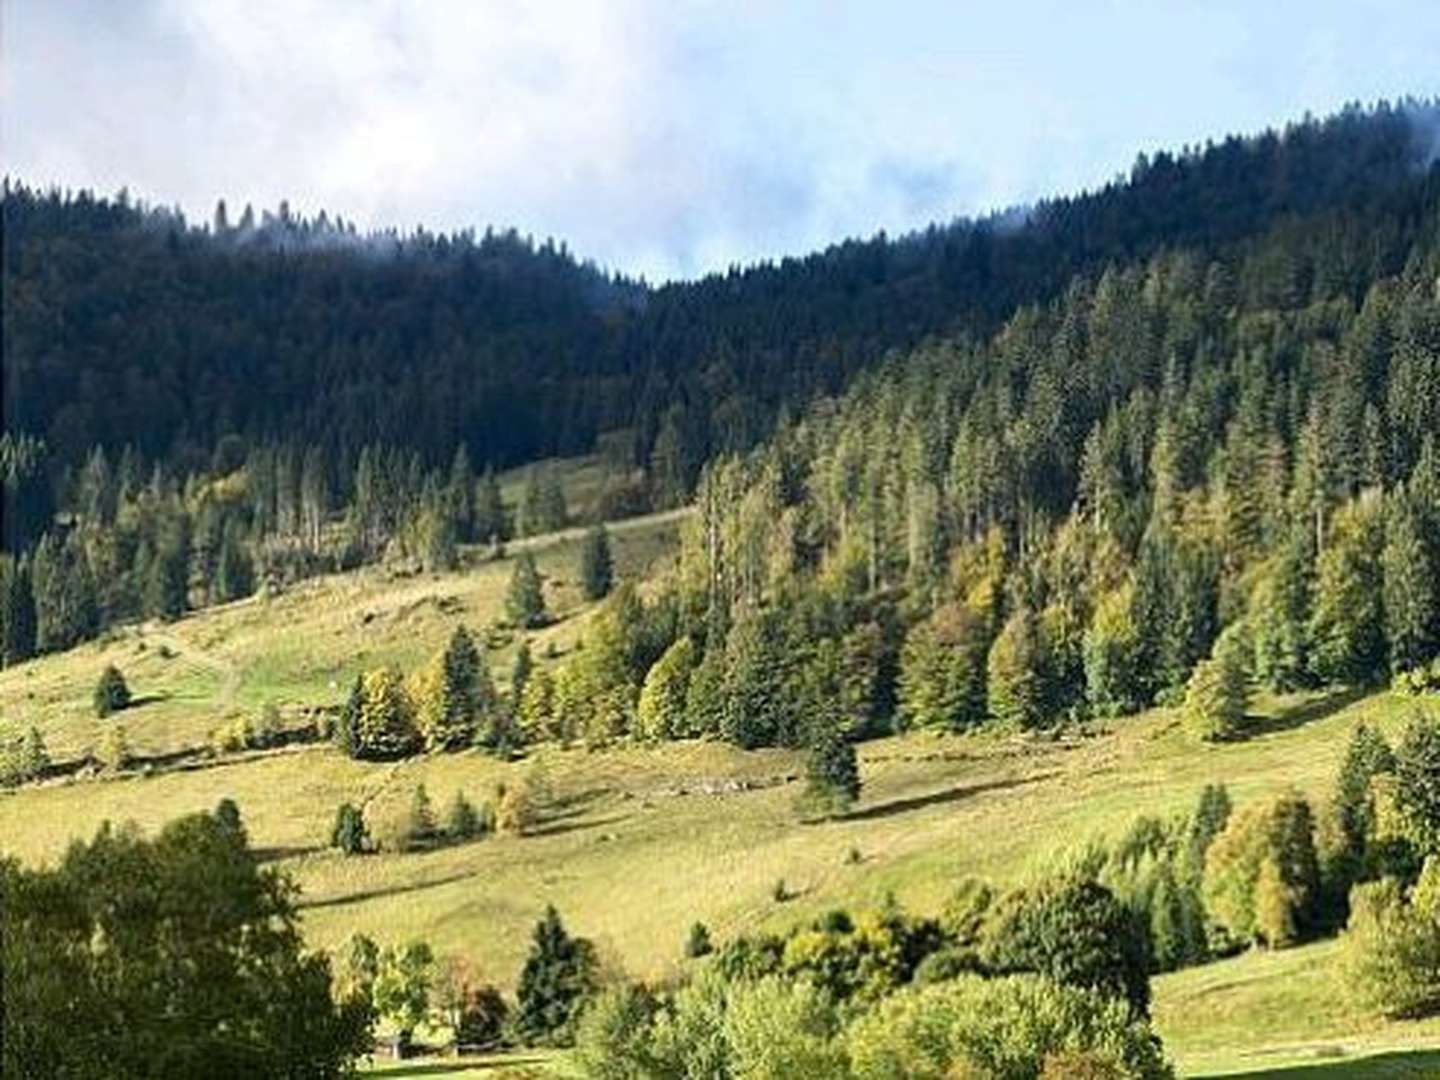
(664,137)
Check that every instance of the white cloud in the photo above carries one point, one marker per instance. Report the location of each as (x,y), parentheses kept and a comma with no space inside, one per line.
(658,136)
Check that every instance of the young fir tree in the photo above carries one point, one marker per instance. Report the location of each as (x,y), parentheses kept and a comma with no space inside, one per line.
(559,974)
(387,717)
(420,828)
(111,692)
(462,820)
(1366,756)
(525,600)
(234,572)
(349,833)
(1411,586)
(1218,692)
(660,713)
(347,731)
(460,495)
(492,524)
(1017,683)
(1347,623)
(597,569)
(520,673)
(942,671)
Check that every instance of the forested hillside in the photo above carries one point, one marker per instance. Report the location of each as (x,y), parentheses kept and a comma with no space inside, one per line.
(126,325)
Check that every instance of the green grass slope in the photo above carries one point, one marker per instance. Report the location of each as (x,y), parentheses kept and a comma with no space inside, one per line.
(641,842)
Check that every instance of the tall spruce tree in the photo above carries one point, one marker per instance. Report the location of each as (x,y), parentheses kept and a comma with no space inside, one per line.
(525,600)
(558,976)
(597,568)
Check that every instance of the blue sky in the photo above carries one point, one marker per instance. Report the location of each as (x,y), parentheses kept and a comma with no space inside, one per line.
(659,136)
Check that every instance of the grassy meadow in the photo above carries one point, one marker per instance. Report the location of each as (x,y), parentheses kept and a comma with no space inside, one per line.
(639,843)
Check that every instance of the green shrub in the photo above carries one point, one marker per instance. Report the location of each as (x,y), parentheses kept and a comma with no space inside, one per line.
(1389,958)
(1002,1028)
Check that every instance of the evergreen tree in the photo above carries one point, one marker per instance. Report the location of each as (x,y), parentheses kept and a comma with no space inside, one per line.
(1018,677)
(1114,656)
(756,710)
(235,574)
(1218,692)
(1367,756)
(558,976)
(832,770)
(460,495)
(347,731)
(66,605)
(111,693)
(387,722)
(349,833)
(520,672)
(462,822)
(660,713)
(17,611)
(596,568)
(492,524)
(420,828)
(457,696)
(525,600)
(1417,773)
(1411,587)
(1279,618)
(943,673)
(1347,623)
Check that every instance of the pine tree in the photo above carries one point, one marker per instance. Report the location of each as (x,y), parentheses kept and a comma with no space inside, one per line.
(558,976)
(1411,587)
(460,495)
(1218,691)
(462,822)
(660,713)
(111,693)
(832,770)
(1114,656)
(420,830)
(347,731)
(1279,617)
(1017,671)
(525,600)
(17,611)
(1367,756)
(349,833)
(492,524)
(1347,623)
(943,672)
(597,570)
(235,574)
(520,672)
(455,696)
(387,721)
(66,603)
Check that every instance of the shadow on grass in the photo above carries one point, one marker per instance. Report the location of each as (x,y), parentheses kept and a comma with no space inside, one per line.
(562,827)
(1307,712)
(939,798)
(456,1065)
(275,854)
(375,894)
(1398,1064)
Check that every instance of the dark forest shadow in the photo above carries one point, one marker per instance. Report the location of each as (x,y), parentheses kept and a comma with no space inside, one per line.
(1399,1063)
(1307,712)
(939,798)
